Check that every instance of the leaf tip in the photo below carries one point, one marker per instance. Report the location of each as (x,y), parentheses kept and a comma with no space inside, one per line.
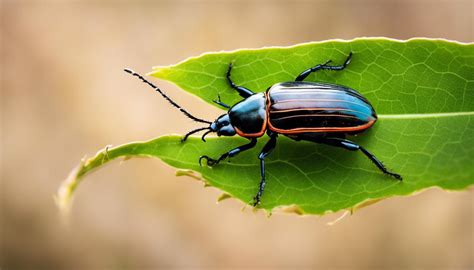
(157,72)
(66,190)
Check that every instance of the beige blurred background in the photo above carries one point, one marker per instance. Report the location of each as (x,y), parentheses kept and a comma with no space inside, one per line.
(64,95)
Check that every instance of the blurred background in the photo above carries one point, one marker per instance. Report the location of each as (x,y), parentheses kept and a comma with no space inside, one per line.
(64,95)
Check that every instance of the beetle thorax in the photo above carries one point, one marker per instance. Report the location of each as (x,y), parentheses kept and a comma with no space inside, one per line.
(249,117)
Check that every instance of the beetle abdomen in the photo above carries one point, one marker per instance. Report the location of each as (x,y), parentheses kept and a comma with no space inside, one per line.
(300,107)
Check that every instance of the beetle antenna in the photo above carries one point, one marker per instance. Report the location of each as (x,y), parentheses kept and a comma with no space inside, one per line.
(166,97)
(192,132)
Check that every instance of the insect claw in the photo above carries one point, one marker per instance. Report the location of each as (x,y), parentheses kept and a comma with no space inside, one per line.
(397,176)
(229,69)
(217,100)
(256,201)
(200,159)
(209,161)
(394,175)
(348,60)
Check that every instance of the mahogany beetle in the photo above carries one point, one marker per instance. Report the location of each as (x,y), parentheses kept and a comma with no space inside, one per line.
(317,112)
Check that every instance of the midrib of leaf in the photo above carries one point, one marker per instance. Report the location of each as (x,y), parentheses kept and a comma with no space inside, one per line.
(423,115)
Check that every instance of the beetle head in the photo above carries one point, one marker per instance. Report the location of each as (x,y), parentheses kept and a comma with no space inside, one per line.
(222,126)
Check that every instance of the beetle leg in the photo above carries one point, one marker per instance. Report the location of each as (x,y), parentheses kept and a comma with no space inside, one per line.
(219,102)
(324,66)
(243,92)
(212,162)
(267,149)
(346,144)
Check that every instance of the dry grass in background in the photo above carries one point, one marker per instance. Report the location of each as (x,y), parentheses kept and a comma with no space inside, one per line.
(64,95)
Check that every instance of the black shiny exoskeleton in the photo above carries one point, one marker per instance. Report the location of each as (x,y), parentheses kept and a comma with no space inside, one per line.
(318,112)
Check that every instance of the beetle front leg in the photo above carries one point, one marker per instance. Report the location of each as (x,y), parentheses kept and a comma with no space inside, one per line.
(212,162)
(346,144)
(267,149)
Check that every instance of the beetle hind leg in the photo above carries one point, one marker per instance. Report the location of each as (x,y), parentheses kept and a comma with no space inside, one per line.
(346,144)
(324,66)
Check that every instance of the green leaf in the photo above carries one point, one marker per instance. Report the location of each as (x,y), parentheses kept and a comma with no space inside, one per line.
(423,91)
(412,77)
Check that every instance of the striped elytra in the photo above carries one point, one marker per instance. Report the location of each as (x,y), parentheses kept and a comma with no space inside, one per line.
(301,107)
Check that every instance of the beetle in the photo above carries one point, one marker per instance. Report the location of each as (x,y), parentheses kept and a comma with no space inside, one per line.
(318,112)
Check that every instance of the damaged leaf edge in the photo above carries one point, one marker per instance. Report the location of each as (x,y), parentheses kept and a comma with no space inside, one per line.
(65,193)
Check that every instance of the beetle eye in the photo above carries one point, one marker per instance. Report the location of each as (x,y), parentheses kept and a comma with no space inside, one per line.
(228,130)
(223,124)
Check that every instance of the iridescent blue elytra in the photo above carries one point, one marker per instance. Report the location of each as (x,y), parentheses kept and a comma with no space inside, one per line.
(298,107)
(317,112)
